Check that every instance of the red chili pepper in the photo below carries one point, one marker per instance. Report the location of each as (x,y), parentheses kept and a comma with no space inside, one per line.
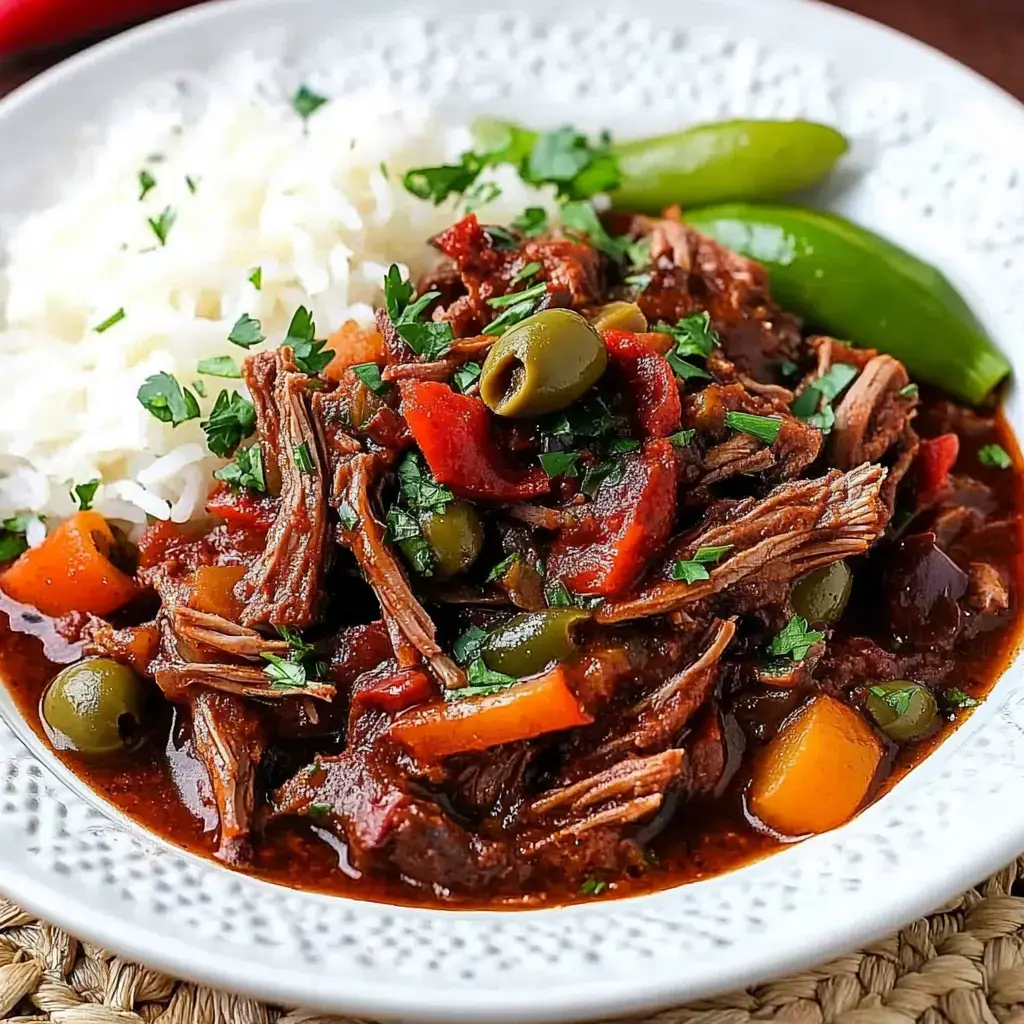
(396,692)
(628,521)
(454,433)
(935,458)
(31,24)
(649,383)
(242,508)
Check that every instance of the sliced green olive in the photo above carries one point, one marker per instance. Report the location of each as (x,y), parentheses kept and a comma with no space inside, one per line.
(95,706)
(543,364)
(527,643)
(456,535)
(619,316)
(821,596)
(904,710)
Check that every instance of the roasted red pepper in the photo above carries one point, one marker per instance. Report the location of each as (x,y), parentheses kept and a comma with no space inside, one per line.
(649,383)
(628,521)
(454,433)
(935,458)
(242,508)
(394,692)
(465,242)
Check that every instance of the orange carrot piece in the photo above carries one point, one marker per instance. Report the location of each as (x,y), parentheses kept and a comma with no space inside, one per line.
(352,343)
(213,590)
(816,772)
(531,708)
(70,571)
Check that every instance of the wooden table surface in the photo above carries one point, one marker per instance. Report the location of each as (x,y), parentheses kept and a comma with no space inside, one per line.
(988,35)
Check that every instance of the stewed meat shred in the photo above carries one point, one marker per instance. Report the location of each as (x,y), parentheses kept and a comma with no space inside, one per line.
(497,656)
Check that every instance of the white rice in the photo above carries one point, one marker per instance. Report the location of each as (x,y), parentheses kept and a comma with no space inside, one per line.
(318,207)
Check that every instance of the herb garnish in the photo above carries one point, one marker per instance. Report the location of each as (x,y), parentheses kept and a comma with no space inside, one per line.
(501,569)
(466,376)
(558,595)
(994,456)
(12,537)
(438,183)
(593,887)
(163,397)
(955,698)
(318,810)
(764,428)
(348,516)
(681,438)
(246,332)
(300,667)
(369,374)
(307,351)
(114,318)
(469,645)
(255,278)
(795,639)
(404,530)
(910,391)
(246,470)
(231,421)
(199,388)
(482,193)
(559,463)
(146,183)
(428,339)
(303,460)
(219,366)
(283,673)
(692,570)
(305,102)
(693,336)
(581,218)
(512,315)
(535,291)
(420,491)
(898,700)
(814,403)
(532,221)
(84,493)
(162,225)
(191,183)
(526,273)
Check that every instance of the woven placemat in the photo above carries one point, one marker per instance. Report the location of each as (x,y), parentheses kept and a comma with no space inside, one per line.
(962,964)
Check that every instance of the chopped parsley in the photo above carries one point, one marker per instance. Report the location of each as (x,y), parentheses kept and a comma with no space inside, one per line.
(910,391)
(512,315)
(994,456)
(469,645)
(12,537)
(436,184)
(318,810)
(247,332)
(161,226)
(764,428)
(255,278)
(692,570)
(84,493)
(199,388)
(466,376)
(404,530)
(305,102)
(420,491)
(532,221)
(191,183)
(593,887)
(219,366)
(955,698)
(429,340)
(536,291)
(115,318)
(231,421)
(369,374)
(795,639)
(559,463)
(526,273)
(246,470)
(308,353)
(303,460)
(284,674)
(146,184)
(580,218)
(693,336)
(163,397)
(610,469)
(482,193)
(681,438)
(348,516)
(558,595)
(896,699)
(814,403)
(480,675)
(501,569)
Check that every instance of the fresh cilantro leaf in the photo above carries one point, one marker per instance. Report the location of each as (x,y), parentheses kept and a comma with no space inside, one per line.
(532,221)
(163,397)
(480,675)
(480,194)
(639,281)
(559,463)
(84,493)
(283,673)
(436,184)
(814,403)
(219,366)
(526,273)
(536,291)
(162,225)
(246,470)
(305,102)
(681,438)
(795,639)
(466,376)
(593,887)
(428,340)
(764,428)
(512,315)
(348,516)
(369,374)
(231,421)
(623,446)
(12,537)
(581,218)
(318,810)
(710,555)
(898,700)
(499,571)
(397,293)
(685,370)
(419,490)
(469,645)
(114,318)
(994,456)
(910,391)
(404,530)
(689,571)
(191,183)
(199,388)
(557,595)
(955,698)
(607,471)
(692,334)
(246,332)
(303,460)
(567,159)
(255,278)
(146,184)
(308,353)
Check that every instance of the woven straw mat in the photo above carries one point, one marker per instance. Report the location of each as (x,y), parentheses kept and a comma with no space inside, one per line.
(963,964)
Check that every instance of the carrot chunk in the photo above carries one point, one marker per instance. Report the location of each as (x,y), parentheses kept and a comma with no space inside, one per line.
(351,344)
(71,571)
(816,772)
(213,590)
(532,708)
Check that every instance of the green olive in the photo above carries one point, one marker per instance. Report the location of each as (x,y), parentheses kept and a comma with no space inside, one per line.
(527,643)
(904,710)
(821,596)
(618,316)
(456,535)
(95,706)
(543,364)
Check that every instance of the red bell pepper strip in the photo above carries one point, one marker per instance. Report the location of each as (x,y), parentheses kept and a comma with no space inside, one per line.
(935,458)
(606,550)
(454,433)
(649,383)
(394,692)
(242,508)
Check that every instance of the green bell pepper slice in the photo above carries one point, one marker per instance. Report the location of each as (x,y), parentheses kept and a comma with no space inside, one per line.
(856,285)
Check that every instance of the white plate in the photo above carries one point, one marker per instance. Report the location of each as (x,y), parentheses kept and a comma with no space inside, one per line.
(937,165)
